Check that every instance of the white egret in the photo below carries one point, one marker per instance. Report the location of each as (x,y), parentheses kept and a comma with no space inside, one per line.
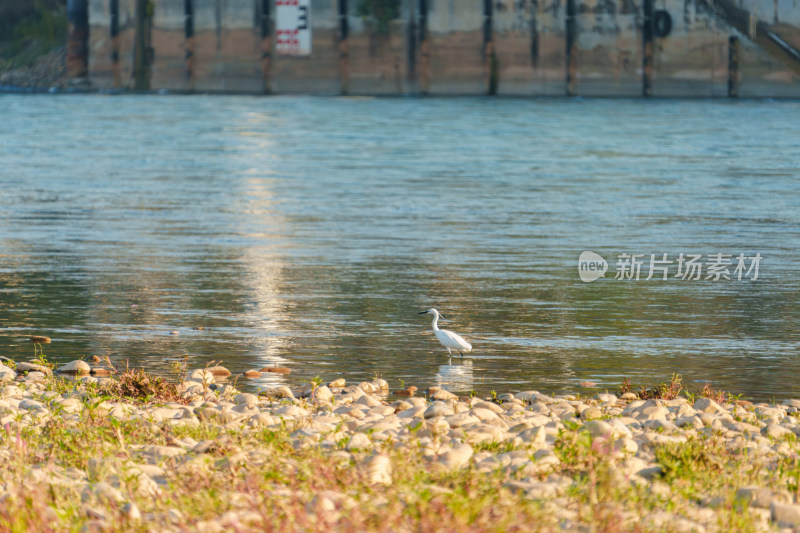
(448,339)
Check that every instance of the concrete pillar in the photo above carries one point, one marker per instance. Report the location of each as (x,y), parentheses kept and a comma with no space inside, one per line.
(344,50)
(424,48)
(572,50)
(142,49)
(489,56)
(648,49)
(733,66)
(266,45)
(188,33)
(78,38)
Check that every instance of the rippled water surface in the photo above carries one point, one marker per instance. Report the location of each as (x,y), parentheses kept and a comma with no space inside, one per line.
(310,232)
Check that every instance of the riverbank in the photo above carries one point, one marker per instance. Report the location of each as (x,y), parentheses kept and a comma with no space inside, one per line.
(32,51)
(46,72)
(122,451)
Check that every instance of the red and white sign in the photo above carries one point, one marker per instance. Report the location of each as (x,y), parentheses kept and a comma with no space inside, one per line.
(293,27)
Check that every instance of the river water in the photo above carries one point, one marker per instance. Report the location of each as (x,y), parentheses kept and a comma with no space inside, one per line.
(310,232)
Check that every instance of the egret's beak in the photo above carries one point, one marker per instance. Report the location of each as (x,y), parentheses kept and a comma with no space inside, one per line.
(424,313)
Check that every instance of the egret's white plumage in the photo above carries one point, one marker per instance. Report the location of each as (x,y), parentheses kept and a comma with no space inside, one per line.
(448,339)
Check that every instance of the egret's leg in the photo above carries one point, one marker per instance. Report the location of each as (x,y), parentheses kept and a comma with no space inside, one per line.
(449,352)
(462,355)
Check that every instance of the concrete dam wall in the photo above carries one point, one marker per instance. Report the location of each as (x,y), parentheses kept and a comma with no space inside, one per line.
(667,48)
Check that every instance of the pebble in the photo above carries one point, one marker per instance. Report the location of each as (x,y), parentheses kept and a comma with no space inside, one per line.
(785,514)
(707,405)
(246,399)
(6,374)
(438,409)
(322,395)
(131,511)
(378,469)
(75,367)
(761,497)
(219,371)
(591,413)
(358,425)
(359,441)
(457,457)
(276,369)
(442,395)
(34,367)
(103,493)
(776,431)
(35,377)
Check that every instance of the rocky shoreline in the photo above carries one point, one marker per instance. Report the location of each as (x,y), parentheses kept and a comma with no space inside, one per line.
(128,452)
(46,73)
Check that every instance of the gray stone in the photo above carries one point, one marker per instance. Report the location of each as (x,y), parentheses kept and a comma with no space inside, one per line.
(785,514)
(201,376)
(457,457)
(443,395)
(591,413)
(131,511)
(34,367)
(322,395)
(30,405)
(279,392)
(378,469)
(599,428)
(652,472)
(776,431)
(245,399)
(359,441)
(707,405)
(219,371)
(102,492)
(75,367)
(6,374)
(438,409)
(761,497)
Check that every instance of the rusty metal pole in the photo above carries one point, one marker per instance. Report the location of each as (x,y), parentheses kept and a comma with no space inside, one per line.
(78,38)
(647,49)
(572,51)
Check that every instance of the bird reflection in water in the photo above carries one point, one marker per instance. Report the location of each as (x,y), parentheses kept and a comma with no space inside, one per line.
(455,377)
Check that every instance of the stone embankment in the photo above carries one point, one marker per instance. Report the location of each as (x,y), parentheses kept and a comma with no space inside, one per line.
(45,73)
(202,456)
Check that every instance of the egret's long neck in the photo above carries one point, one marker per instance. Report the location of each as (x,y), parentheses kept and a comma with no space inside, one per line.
(435,322)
